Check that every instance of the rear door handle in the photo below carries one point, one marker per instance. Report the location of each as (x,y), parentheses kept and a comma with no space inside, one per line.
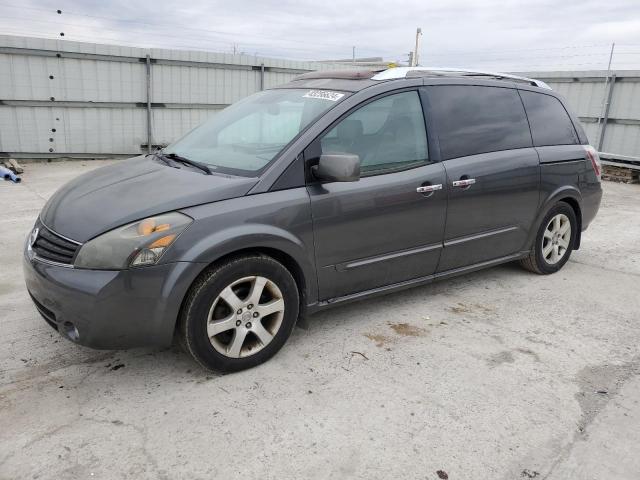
(429,188)
(464,183)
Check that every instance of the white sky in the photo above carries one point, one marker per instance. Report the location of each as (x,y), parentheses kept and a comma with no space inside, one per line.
(490,34)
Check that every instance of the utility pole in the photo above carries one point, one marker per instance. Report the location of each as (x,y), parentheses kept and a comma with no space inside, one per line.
(354,54)
(416,52)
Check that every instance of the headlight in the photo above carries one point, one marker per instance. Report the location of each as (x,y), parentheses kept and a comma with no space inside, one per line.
(136,244)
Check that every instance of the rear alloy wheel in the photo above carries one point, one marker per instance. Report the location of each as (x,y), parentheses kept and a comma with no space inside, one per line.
(239,314)
(554,241)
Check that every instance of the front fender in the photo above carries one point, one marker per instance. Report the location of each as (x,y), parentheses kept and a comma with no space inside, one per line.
(229,240)
(276,221)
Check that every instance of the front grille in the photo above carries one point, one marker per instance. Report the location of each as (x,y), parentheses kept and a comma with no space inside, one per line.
(54,248)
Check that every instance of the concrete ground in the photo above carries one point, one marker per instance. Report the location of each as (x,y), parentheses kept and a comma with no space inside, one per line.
(499,374)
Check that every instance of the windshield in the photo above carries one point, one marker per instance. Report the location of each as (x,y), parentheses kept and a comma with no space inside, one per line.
(242,139)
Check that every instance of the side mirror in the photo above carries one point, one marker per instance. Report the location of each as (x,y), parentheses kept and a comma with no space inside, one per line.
(338,167)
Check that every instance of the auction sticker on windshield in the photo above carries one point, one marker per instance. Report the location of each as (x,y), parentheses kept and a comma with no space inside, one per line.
(324,95)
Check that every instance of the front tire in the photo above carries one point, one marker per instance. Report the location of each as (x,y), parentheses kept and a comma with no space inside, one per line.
(239,313)
(554,241)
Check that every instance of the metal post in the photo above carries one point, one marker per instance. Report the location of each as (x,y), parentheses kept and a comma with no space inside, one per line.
(604,90)
(353,54)
(613,46)
(262,76)
(149,141)
(605,117)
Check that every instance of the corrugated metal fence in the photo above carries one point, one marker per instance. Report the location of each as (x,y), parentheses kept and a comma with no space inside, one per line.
(61,98)
(608,105)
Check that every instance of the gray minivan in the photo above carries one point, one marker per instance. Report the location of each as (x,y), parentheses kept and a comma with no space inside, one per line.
(329,189)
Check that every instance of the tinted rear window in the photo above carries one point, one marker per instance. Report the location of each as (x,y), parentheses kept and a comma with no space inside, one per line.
(550,123)
(473,119)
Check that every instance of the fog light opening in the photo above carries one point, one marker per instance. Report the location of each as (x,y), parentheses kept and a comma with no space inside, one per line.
(70,331)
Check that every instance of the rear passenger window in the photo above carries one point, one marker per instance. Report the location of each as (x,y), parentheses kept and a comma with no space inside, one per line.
(387,134)
(473,119)
(550,123)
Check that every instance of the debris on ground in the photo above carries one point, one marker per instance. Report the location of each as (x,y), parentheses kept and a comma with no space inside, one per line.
(380,340)
(407,329)
(526,473)
(620,174)
(13,165)
(359,353)
(9,175)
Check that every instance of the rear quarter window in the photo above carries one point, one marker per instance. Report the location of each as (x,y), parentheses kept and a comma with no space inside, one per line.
(549,121)
(476,119)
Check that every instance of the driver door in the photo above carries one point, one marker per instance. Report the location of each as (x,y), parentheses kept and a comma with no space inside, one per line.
(384,228)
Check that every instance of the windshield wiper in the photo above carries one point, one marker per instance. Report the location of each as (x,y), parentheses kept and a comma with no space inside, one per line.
(162,158)
(186,161)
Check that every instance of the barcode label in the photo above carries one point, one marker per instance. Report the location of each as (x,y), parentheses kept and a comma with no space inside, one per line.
(324,95)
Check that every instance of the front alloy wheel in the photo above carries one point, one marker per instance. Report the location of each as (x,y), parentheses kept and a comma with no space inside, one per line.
(245,317)
(239,313)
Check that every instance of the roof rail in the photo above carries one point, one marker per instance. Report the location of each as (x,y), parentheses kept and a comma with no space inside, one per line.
(403,72)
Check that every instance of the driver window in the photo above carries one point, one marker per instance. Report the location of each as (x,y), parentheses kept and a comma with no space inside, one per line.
(387,134)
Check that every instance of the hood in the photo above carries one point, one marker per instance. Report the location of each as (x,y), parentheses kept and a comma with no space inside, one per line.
(129,190)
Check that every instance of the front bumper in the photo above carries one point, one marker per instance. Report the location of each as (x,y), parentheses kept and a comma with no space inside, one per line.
(111,309)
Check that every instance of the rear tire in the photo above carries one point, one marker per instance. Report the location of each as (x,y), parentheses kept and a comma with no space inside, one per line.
(239,313)
(554,241)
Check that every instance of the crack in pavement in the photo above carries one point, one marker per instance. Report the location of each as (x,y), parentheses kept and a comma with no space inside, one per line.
(600,384)
(602,267)
(142,432)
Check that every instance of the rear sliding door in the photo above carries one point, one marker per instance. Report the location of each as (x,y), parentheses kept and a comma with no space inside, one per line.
(493,172)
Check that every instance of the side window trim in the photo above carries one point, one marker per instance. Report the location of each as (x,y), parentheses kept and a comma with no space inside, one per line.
(526,114)
(433,143)
(310,152)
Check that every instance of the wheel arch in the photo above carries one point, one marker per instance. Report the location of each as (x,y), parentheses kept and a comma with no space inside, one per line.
(281,246)
(568,194)
(288,261)
(575,205)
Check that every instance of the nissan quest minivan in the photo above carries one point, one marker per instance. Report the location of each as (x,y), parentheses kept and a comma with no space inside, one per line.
(332,188)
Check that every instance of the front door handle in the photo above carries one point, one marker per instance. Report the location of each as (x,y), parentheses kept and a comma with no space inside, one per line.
(429,188)
(464,183)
